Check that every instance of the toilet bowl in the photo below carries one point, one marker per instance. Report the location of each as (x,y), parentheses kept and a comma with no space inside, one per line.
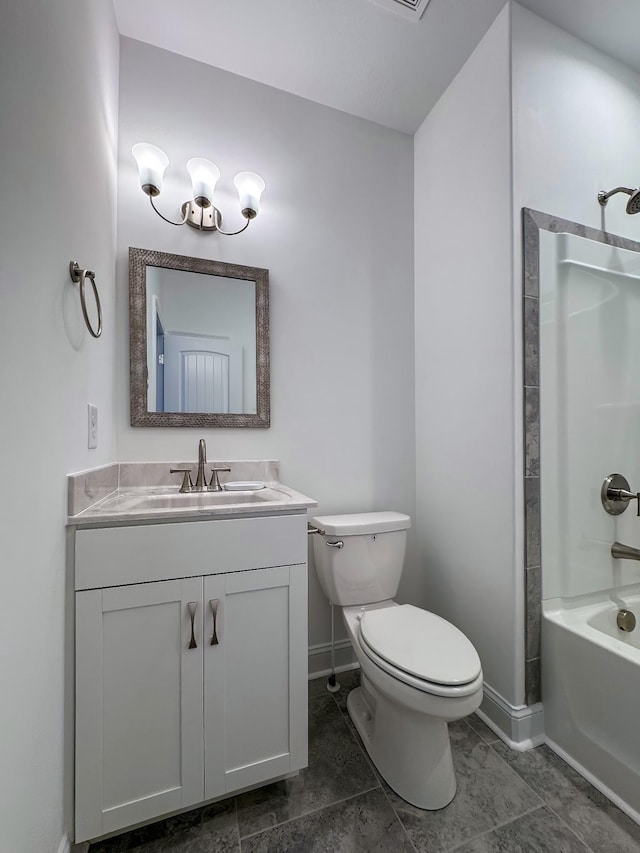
(419,671)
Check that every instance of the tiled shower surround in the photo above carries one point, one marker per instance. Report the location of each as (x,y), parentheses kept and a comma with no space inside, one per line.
(532,223)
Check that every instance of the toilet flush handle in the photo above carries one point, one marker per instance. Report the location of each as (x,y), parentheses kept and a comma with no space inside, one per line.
(337,545)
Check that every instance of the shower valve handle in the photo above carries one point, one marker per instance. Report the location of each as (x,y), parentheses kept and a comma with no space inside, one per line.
(616,495)
(623,495)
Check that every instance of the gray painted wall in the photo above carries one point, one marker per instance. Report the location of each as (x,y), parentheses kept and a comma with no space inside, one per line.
(58,106)
(465,415)
(335,232)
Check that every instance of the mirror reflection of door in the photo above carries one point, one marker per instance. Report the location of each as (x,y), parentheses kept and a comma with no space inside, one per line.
(202,374)
(207,325)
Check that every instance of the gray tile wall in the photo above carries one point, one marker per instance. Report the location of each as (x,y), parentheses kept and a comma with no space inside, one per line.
(532,223)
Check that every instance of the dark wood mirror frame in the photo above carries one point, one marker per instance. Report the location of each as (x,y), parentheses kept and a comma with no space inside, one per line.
(139,260)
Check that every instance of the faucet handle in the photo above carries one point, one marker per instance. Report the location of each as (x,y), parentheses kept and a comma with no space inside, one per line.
(187,485)
(214,485)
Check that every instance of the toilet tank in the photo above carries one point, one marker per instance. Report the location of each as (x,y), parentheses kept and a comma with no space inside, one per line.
(368,565)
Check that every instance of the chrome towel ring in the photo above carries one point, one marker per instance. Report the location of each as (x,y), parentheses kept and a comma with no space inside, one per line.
(81,276)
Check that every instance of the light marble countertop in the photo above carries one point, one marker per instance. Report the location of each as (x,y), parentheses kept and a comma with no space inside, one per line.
(141,492)
(122,506)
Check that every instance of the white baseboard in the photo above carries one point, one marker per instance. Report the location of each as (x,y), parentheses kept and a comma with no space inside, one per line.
(621,804)
(520,727)
(65,845)
(320,658)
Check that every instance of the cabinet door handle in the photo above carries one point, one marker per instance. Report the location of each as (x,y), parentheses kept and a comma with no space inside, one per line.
(193,606)
(213,603)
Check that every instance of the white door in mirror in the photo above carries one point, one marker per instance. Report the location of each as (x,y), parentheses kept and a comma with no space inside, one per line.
(242,486)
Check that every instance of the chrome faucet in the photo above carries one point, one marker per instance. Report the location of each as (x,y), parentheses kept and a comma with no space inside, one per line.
(200,484)
(201,481)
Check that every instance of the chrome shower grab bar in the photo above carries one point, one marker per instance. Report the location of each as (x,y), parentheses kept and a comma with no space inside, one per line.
(624,552)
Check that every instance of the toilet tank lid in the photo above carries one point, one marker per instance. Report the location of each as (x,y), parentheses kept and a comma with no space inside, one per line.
(362,523)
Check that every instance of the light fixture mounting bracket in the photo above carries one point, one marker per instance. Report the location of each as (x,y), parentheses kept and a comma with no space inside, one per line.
(201,218)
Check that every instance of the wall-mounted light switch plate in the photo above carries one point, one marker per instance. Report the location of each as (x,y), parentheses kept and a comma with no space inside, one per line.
(93,426)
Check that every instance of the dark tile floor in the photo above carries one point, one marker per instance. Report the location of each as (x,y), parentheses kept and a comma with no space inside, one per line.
(507,802)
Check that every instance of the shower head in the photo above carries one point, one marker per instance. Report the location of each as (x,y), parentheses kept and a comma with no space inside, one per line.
(633,205)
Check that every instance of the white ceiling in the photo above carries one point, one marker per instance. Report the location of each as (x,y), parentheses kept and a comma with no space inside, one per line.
(355,55)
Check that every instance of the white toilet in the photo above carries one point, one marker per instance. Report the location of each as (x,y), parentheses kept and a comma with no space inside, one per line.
(419,672)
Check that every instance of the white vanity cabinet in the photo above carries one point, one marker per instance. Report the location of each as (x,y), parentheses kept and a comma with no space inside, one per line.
(191,681)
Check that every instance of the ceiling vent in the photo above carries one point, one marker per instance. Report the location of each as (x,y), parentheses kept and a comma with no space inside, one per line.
(413,9)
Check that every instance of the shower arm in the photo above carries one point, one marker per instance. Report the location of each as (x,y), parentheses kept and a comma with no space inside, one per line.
(603,197)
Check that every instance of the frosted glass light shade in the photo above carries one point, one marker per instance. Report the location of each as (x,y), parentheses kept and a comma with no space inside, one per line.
(203,174)
(250,187)
(152,162)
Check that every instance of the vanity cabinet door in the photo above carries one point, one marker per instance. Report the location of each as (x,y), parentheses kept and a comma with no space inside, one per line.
(139,699)
(255,703)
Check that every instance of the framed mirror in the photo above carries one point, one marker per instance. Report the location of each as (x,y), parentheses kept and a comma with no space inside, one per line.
(198,342)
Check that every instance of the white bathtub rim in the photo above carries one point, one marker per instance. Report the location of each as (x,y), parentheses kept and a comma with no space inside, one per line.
(609,794)
(576,620)
(592,599)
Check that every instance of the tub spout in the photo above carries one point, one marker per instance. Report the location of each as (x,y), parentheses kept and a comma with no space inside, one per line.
(624,552)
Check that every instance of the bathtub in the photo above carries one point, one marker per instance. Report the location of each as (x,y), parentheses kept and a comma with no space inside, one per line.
(591,694)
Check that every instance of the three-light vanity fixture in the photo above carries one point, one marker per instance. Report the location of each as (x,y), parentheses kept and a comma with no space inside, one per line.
(199,212)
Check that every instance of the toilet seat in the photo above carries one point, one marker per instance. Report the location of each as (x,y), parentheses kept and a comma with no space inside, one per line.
(421,649)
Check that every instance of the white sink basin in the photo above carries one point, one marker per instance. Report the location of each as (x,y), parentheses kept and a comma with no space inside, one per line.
(200,499)
(163,501)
